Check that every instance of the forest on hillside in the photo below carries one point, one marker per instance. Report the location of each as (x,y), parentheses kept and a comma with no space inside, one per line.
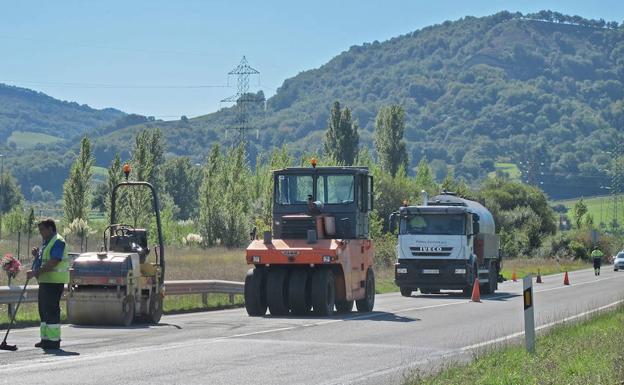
(544,91)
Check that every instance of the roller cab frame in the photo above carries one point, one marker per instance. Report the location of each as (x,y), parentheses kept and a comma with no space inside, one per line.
(319,255)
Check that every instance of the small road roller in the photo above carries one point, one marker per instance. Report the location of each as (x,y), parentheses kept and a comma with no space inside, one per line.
(119,285)
(319,255)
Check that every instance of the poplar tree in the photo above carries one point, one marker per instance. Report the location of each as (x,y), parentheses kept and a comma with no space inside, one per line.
(211,197)
(341,138)
(389,143)
(77,188)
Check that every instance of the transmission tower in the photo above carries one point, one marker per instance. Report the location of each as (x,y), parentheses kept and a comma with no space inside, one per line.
(242,97)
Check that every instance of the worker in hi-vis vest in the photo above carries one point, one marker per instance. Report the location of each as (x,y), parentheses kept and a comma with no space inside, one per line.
(597,256)
(51,268)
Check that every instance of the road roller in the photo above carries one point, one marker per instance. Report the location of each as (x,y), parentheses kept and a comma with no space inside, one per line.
(319,255)
(120,284)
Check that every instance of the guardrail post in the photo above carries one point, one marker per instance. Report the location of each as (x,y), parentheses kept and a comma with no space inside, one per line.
(205,299)
(231,298)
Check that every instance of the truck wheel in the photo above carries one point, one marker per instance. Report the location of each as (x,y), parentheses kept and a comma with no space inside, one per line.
(406,292)
(344,306)
(493,279)
(323,292)
(367,303)
(255,292)
(277,291)
(298,292)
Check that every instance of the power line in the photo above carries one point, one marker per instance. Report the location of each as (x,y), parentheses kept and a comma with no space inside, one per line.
(114,86)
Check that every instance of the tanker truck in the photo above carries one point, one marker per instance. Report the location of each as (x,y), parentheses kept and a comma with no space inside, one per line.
(446,243)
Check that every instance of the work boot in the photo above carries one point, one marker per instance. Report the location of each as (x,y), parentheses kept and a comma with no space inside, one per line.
(39,344)
(47,344)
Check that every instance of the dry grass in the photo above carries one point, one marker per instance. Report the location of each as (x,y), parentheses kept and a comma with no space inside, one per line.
(524,266)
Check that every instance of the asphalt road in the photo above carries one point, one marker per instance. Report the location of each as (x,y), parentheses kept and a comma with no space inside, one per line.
(228,347)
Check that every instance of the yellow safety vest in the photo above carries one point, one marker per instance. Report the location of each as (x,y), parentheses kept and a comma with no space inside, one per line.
(61,272)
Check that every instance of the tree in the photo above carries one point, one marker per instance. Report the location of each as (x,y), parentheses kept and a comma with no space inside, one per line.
(389,143)
(30,227)
(77,188)
(211,197)
(580,209)
(181,180)
(341,138)
(236,200)
(115,174)
(146,162)
(11,196)
(424,177)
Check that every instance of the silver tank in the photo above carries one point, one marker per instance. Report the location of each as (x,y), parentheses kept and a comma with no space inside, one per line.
(486,220)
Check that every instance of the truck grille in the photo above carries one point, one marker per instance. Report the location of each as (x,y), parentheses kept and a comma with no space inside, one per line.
(431,251)
(297,228)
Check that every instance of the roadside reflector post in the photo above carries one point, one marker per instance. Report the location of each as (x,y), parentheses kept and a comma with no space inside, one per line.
(529,318)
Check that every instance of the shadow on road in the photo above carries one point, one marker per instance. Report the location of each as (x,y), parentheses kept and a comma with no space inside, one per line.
(60,352)
(352,316)
(117,327)
(500,296)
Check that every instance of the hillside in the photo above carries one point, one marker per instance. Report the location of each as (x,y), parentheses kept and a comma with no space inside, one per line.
(542,92)
(476,91)
(33,112)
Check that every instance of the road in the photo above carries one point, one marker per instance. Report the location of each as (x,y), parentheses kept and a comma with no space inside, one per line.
(228,347)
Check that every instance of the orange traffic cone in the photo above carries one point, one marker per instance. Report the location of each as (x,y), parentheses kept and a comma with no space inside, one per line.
(539,277)
(566,280)
(514,277)
(476,294)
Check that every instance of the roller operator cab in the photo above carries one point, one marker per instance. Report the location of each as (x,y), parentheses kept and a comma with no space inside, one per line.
(445,244)
(123,282)
(319,255)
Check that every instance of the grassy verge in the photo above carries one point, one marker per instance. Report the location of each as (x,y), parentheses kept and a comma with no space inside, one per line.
(524,266)
(591,352)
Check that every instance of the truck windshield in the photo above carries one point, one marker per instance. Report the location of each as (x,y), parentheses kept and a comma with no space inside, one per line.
(433,224)
(335,189)
(293,189)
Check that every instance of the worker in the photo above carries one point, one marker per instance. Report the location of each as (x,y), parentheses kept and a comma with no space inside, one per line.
(597,255)
(51,268)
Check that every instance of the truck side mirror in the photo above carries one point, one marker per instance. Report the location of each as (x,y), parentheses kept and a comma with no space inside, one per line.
(392,221)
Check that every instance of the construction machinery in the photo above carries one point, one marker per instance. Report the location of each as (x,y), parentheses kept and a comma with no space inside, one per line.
(319,254)
(119,284)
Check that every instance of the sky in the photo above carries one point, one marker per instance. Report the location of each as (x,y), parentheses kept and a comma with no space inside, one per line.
(171,58)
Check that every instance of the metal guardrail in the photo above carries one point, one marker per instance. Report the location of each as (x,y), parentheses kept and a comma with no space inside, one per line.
(10,294)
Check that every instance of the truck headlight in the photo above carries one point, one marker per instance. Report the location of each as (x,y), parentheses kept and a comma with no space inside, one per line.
(327,258)
(460,271)
(255,259)
(401,270)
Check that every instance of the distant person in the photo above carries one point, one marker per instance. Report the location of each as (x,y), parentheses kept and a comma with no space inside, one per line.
(597,255)
(51,268)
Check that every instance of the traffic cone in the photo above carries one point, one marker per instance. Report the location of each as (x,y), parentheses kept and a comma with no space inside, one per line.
(476,294)
(566,280)
(514,277)
(539,277)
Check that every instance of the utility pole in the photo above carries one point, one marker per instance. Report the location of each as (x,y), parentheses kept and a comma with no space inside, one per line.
(243,97)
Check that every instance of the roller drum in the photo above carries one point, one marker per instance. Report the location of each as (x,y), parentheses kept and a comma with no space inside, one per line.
(100,307)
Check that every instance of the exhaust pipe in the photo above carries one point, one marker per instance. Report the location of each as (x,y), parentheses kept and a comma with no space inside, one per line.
(425,197)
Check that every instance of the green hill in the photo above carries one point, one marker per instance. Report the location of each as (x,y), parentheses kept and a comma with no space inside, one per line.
(25,110)
(601,208)
(547,93)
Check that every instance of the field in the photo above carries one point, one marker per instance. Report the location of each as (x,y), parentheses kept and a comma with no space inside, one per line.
(510,168)
(27,139)
(600,208)
(585,353)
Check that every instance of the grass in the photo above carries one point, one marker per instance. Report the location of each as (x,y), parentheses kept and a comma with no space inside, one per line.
(524,266)
(27,139)
(589,352)
(510,169)
(600,208)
